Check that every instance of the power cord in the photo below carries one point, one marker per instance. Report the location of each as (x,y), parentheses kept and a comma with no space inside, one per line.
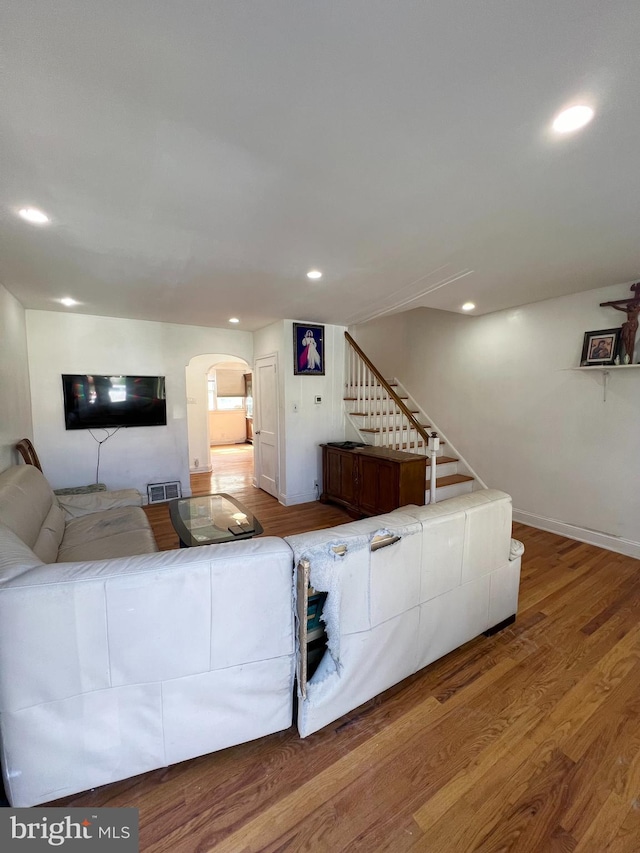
(100,443)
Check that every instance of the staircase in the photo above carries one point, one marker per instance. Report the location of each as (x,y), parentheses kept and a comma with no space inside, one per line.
(384,415)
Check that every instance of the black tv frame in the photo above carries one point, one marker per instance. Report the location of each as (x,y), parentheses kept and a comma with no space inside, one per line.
(140,410)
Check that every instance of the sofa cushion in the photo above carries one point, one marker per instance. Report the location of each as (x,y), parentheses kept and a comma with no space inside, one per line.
(25,501)
(50,536)
(122,532)
(465,538)
(97,501)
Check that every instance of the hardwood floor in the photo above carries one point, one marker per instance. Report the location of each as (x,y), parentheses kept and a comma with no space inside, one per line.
(525,741)
(232,473)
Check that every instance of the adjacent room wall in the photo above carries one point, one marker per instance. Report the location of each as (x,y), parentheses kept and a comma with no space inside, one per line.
(75,343)
(501,388)
(15,397)
(311,424)
(228,427)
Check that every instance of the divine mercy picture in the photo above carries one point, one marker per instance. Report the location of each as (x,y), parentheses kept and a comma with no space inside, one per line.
(308,350)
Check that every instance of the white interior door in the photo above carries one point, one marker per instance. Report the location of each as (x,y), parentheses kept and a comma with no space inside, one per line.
(266,423)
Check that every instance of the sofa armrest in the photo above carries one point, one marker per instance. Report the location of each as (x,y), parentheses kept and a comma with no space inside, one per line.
(76,505)
(516,550)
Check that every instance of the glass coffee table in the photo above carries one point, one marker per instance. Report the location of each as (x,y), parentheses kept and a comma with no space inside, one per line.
(212,519)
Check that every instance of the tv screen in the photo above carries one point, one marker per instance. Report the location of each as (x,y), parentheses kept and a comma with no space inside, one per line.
(99,402)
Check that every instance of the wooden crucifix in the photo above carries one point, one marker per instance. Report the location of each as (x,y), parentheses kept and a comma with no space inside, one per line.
(631,307)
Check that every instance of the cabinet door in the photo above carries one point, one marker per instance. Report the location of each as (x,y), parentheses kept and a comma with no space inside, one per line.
(339,475)
(378,485)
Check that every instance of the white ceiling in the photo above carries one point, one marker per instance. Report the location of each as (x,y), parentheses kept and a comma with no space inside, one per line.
(197,157)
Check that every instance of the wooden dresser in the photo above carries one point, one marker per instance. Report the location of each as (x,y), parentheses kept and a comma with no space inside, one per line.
(372,480)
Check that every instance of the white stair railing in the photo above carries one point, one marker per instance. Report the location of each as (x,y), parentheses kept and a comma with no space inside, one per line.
(384,411)
(378,412)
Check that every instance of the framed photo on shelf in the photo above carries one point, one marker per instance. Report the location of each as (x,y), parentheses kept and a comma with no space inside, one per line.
(600,347)
(308,350)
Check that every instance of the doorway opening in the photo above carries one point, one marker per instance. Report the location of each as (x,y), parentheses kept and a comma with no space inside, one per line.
(220,421)
(231,468)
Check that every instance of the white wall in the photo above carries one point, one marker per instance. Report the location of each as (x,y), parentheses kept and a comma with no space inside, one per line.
(15,397)
(76,343)
(500,388)
(196,384)
(302,431)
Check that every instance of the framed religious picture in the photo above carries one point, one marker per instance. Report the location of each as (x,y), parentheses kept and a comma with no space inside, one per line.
(600,347)
(308,350)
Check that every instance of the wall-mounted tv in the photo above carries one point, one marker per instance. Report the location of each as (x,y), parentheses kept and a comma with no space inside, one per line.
(99,402)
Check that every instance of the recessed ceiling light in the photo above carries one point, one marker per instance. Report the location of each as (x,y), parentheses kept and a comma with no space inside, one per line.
(468,306)
(33,215)
(314,274)
(572,119)
(233,320)
(68,301)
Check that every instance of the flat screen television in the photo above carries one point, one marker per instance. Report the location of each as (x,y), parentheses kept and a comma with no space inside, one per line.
(101,402)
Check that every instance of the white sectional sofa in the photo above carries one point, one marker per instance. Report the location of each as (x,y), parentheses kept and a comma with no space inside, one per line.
(114,664)
(436,577)
(113,667)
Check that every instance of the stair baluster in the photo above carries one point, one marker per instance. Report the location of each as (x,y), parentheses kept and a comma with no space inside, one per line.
(383,419)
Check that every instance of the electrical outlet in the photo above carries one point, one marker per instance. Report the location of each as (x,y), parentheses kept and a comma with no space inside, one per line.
(196,463)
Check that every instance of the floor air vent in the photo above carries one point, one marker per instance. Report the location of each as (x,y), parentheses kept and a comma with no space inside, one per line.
(158,492)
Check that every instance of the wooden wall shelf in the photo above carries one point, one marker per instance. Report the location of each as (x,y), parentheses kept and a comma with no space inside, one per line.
(605,369)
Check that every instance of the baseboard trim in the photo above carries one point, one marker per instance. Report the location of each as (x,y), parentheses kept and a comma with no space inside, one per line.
(582,534)
(292,500)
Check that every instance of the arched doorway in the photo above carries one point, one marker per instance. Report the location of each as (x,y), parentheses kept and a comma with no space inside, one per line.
(217,403)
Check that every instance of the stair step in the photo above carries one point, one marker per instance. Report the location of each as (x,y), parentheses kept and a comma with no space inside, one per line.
(379,414)
(372,384)
(442,460)
(378,430)
(368,399)
(409,445)
(404,428)
(451,486)
(452,480)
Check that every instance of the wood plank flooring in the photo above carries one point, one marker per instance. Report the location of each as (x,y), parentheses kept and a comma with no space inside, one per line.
(232,474)
(525,741)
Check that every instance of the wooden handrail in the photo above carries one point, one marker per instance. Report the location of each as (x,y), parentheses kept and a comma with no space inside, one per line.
(405,411)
